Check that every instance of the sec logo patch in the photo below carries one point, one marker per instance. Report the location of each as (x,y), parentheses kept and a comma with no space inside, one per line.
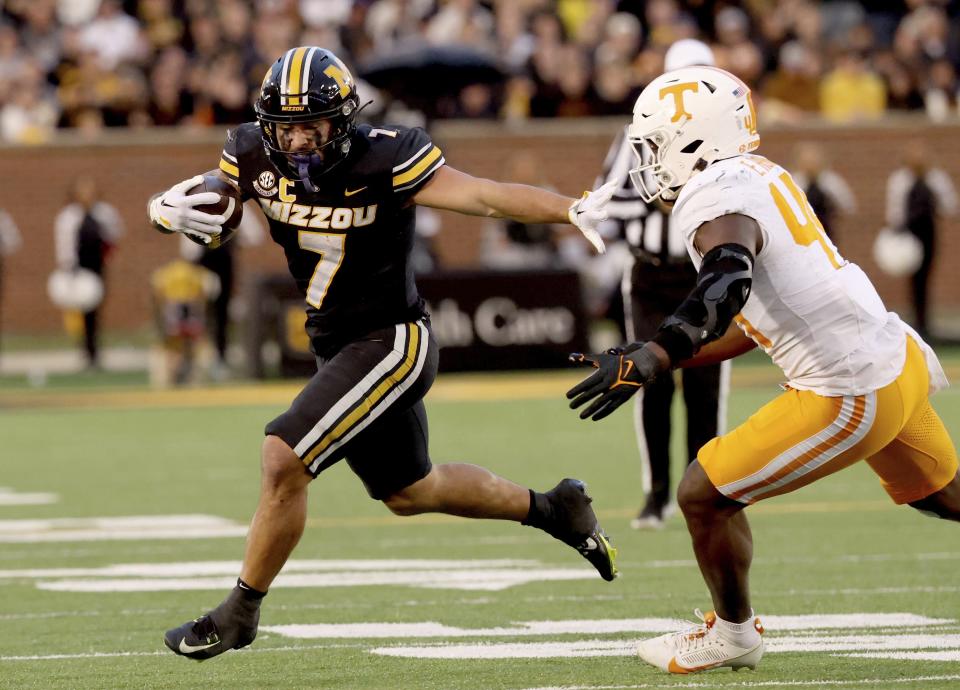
(266,183)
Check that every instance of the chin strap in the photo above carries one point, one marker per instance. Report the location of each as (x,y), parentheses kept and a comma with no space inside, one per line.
(303,170)
(306,161)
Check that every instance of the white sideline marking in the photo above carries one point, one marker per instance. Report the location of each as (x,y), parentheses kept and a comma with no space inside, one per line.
(918,589)
(50,614)
(88,655)
(472,579)
(199,568)
(755,684)
(9,497)
(583,648)
(789,560)
(518,650)
(854,643)
(483,575)
(601,627)
(133,527)
(910,656)
(110,655)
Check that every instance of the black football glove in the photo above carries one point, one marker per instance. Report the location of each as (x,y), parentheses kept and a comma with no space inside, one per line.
(620,373)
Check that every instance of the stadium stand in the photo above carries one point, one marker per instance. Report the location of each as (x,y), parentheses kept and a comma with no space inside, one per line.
(91,64)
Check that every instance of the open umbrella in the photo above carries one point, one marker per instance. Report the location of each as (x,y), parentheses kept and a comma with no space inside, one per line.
(421,75)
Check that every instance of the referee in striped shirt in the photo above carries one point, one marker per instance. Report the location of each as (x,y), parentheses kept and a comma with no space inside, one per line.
(659,278)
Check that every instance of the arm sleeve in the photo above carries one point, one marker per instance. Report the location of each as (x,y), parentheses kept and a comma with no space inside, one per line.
(897,187)
(252,229)
(111,222)
(946,194)
(65,238)
(189,250)
(229,164)
(10,240)
(838,190)
(416,158)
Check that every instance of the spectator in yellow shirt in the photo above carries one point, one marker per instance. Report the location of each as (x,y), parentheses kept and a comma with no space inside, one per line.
(852,91)
(181,290)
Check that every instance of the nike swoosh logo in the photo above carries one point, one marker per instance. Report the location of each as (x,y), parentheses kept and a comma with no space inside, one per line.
(674,667)
(187,649)
(351,192)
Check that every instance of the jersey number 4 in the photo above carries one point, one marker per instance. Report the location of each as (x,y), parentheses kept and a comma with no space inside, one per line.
(801,219)
(330,249)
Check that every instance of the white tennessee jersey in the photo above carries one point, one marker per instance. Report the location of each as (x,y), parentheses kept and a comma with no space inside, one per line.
(816,314)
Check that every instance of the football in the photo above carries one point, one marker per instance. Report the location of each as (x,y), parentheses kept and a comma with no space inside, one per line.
(230,207)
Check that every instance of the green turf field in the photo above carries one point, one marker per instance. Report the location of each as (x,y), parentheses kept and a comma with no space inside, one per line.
(375,601)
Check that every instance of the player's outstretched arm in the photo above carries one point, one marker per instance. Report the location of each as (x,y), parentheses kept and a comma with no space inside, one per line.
(728,245)
(454,190)
(731,344)
(175,211)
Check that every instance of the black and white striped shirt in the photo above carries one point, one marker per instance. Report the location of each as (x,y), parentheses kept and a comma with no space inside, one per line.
(645,227)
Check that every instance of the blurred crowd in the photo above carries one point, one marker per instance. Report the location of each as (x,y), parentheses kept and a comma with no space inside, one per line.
(90,64)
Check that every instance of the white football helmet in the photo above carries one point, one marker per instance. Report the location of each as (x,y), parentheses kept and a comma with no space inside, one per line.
(688,118)
(897,253)
(76,289)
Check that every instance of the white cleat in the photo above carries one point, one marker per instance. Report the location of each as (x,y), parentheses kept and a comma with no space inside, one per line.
(647,522)
(700,648)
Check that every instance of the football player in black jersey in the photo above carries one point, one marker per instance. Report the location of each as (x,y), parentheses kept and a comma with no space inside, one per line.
(339,199)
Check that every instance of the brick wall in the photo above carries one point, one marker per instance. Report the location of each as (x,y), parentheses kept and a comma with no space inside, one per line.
(129,167)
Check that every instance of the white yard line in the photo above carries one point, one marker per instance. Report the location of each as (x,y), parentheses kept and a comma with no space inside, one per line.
(492,580)
(9,497)
(758,683)
(845,622)
(480,575)
(918,589)
(231,568)
(114,655)
(885,646)
(953,655)
(128,527)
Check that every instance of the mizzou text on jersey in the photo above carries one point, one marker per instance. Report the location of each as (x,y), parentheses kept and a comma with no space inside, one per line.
(347,244)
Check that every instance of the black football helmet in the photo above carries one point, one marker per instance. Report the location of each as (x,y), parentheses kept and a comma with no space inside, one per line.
(308,85)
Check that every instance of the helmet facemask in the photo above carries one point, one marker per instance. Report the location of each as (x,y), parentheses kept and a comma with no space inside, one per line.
(651,179)
(327,144)
(688,118)
(307,111)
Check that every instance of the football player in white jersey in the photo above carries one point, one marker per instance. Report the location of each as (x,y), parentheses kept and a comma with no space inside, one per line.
(858,379)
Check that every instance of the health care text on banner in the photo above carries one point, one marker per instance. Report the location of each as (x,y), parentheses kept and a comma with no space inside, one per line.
(483,321)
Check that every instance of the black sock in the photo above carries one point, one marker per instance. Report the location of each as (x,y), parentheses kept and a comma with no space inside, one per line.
(247,592)
(540,514)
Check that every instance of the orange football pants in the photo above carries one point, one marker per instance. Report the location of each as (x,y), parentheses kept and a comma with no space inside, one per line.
(800,437)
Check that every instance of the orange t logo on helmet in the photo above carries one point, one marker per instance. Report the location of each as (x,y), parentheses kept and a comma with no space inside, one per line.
(676,90)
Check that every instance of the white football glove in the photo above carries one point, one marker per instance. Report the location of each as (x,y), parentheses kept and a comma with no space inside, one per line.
(589,211)
(174,210)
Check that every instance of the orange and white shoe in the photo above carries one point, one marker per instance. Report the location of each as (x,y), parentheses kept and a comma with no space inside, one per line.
(702,647)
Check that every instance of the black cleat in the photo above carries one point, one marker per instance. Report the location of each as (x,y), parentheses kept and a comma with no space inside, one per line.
(231,625)
(575,523)
(651,516)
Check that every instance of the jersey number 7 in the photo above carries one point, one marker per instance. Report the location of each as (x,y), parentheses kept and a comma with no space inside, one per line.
(330,249)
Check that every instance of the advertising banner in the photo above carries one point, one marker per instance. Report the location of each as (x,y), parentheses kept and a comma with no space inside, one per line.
(483,321)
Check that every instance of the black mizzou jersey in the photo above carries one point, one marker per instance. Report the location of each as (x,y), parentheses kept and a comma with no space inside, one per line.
(347,245)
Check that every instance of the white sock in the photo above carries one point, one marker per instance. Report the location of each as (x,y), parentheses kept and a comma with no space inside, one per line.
(741,634)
